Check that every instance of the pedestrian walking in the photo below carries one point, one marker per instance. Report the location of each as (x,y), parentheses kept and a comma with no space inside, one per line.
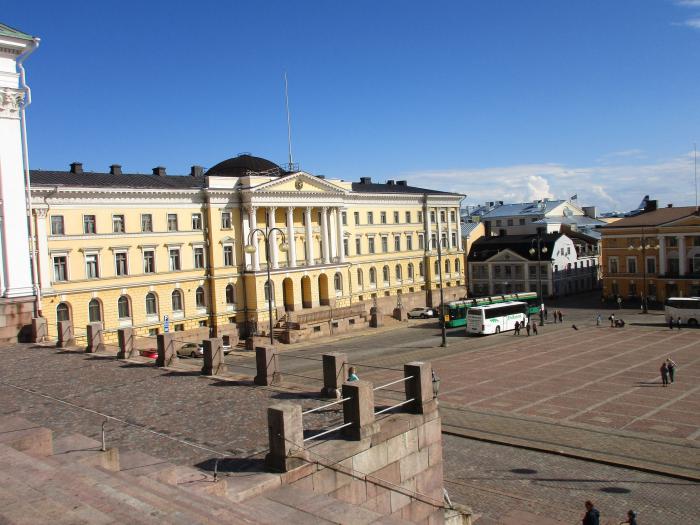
(546,313)
(597,320)
(592,516)
(561,317)
(534,327)
(612,320)
(527,328)
(554,314)
(678,322)
(631,518)
(670,323)
(352,374)
(671,365)
(664,374)
(517,327)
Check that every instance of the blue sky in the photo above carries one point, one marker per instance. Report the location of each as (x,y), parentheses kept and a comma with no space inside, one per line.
(500,100)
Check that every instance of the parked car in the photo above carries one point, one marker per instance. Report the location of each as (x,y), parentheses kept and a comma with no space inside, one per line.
(421,313)
(149,353)
(191,350)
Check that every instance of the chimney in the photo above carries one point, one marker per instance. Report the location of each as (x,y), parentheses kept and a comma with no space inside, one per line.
(391,182)
(590,211)
(76,167)
(365,180)
(669,205)
(196,171)
(159,170)
(115,169)
(320,176)
(401,183)
(651,205)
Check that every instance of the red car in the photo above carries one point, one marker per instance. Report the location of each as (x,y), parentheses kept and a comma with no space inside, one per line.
(149,353)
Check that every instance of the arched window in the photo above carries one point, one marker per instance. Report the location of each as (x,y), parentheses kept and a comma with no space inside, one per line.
(177,300)
(458,266)
(94,311)
(398,272)
(410,270)
(360,279)
(230,294)
(199,300)
(123,307)
(151,304)
(338,282)
(372,275)
(437,269)
(62,312)
(421,269)
(268,291)
(447,266)
(385,274)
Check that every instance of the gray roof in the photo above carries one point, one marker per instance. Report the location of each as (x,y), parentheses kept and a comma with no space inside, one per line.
(578,220)
(523,208)
(6,30)
(373,187)
(107,180)
(468,227)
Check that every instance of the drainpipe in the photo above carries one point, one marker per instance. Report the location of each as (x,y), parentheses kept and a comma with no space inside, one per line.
(25,160)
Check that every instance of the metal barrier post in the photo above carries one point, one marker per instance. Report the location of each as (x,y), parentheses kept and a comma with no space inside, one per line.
(126,343)
(359,409)
(39,329)
(213,357)
(166,350)
(334,373)
(420,387)
(94,342)
(286,437)
(267,366)
(65,334)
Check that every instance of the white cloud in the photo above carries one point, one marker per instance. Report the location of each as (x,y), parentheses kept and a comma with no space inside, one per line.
(692,22)
(619,186)
(688,3)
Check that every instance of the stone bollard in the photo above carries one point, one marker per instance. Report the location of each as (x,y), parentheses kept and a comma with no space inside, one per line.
(126,343)
(267,365)
(166,350)
(65,335)
(375,317)
(420,388)
(286,437)
(213,357)
(39,329)
(359,409)
(400,313)
(334,373)
(94,338)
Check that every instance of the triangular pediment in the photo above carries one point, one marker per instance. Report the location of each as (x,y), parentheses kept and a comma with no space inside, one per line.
(690,220)
(300,182)
(506,255)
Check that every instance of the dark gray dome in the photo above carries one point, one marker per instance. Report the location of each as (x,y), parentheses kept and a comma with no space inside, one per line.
(242,164)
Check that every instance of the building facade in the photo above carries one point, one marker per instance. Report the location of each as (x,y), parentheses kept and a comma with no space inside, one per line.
(129,250)
(653,255)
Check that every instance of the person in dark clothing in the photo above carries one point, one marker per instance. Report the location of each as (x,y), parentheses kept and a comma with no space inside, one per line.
(517,327)
(678,322)
(527,328)
(561,317)
(534,327)
(670,323)
(592,516)
(631,518)
(671,365)
(664,374)
(546,313)
(612,320)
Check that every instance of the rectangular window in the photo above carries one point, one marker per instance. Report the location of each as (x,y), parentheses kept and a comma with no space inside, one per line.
(454,239)
(146,222)
(521,222)
(613,264)
(510,222)
(357,217)
(60,268)
(397,243)
(442,217)
(228,255)
(453,216)
(92,270)
(89,224)
(196,221)
(346,247)
(396,217)
(498,222)
(174,254)
(408,217)
(149,261)
(225,220)
(385,244)
(432,216)
(409,242)
(370,244)
(631,265)
(358,245)
(172,222)
(198,257)
(420,216)
(57,225)
(344,218)
(651,265)
(118,225)
(382,217)
(370,217)
(421,241)
(120,264)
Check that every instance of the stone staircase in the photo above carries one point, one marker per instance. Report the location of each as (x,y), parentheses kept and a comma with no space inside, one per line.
(69,480)
(16,319)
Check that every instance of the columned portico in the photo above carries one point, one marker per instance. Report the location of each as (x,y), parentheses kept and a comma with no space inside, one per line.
(324,236)
(309,237)
(274,249)
(340,234)
(291,238)
(662,255)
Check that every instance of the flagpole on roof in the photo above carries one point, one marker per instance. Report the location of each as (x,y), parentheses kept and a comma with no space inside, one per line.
(289,122)
(695,151)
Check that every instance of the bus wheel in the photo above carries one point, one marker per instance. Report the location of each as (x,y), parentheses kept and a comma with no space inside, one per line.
(498,329)
(693,323)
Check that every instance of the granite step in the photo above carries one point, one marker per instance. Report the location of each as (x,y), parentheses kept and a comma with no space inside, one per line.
(24,435)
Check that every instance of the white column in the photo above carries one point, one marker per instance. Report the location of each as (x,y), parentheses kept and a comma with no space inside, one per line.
(333,230)
(439,225)
(15,233)
(253,212)
(309,237)
(428,232)
(43,260)
(290,238)
(245,220)
(682,258)
(449,228)
(324,235)
(459,231)
(341,235)
(662,255)
(274,253)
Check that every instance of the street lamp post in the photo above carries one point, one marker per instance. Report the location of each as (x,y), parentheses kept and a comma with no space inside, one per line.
(252,248)
(443,329)
(539,270)
(643,247)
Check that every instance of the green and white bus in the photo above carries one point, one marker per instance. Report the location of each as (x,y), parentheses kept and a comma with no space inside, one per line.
(496,318)
(455,312)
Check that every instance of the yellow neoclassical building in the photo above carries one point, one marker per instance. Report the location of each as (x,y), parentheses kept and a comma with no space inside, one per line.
(150,251)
